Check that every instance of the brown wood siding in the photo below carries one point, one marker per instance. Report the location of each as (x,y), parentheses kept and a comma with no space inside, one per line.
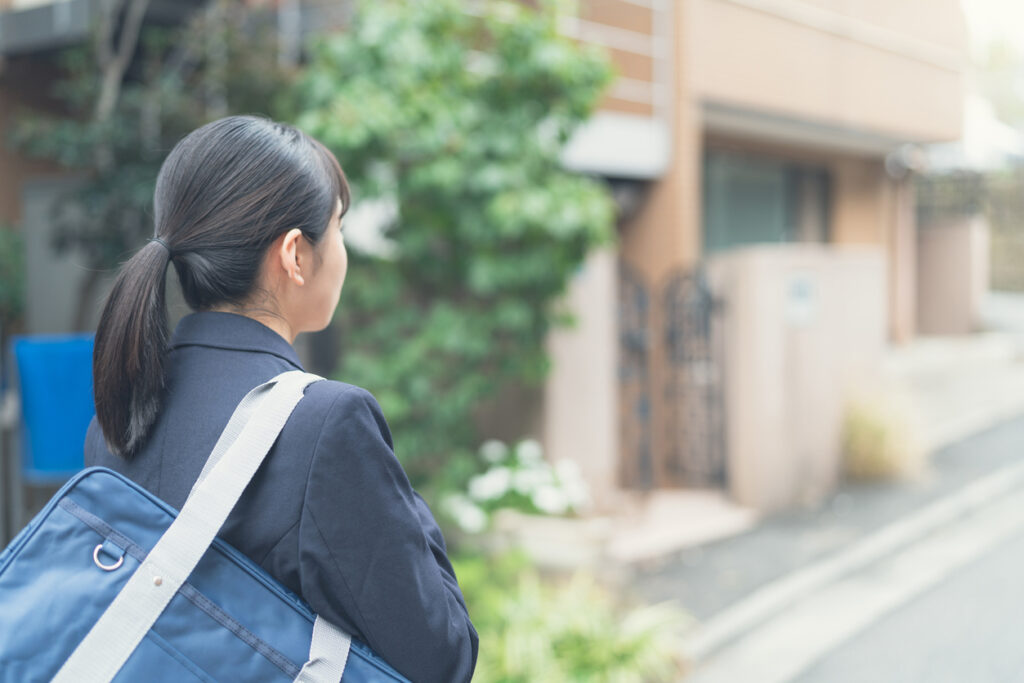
(626,107)
(630,65)
(619,14)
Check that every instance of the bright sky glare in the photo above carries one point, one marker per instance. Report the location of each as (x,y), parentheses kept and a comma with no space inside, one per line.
(992,20)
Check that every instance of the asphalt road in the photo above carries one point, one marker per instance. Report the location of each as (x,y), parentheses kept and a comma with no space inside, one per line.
(946,607)
(709,579)
(969,628)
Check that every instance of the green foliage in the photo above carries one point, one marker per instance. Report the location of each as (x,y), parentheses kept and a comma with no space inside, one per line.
(219,63)
(534,630)
(459,119)
(12,277)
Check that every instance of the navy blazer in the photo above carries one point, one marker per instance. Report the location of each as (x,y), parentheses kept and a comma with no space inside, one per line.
(330,513)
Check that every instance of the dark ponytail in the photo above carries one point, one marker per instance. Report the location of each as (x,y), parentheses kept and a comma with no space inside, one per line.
(224,194)
(128,361)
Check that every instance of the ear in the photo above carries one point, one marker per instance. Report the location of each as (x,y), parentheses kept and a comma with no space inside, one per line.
(288,255)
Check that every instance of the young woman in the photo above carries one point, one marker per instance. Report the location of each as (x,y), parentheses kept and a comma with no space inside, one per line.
(250,211)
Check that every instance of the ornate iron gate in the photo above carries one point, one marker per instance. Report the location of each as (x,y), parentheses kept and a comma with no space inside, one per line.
(694,388)
(637,462)
(683,443)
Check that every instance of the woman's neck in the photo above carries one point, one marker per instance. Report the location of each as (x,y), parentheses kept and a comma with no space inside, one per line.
(272,320)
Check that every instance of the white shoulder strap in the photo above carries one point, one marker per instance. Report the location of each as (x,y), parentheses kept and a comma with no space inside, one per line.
(243,445)
(328,654)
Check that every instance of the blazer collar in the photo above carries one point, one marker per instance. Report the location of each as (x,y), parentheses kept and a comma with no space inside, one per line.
(232,331)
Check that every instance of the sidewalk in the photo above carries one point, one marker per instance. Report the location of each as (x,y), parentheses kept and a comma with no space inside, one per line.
(707,579)
(970,395)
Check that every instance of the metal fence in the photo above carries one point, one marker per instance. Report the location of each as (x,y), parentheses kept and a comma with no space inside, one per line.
(671,343)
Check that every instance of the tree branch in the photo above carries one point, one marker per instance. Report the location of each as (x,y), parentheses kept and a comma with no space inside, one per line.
(114,65)
(109,11)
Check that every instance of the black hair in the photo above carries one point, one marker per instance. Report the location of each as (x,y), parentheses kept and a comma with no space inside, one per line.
(225,192)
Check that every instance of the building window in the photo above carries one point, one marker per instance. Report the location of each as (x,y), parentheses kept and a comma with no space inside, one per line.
(760,200)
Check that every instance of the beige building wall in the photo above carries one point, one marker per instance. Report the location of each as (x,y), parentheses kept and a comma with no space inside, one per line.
(859,208)
(951,253)
(870,207)
(803,325)
(581,398)
(844,84)
(872,66)
(833,83)
(850,80)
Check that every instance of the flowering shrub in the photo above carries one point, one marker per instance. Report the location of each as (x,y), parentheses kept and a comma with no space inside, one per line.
(518,478)
(540,630)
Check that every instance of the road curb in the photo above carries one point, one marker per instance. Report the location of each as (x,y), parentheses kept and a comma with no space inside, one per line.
(769,600)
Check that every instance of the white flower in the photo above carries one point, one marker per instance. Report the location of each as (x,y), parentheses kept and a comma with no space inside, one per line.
(529,452)
(466,514)
(570,478)
(568,470)
(526,481)
(490,485)
(550,500)
(471,519)
(493,451)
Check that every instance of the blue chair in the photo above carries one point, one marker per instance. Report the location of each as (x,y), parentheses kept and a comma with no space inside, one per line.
(54,374)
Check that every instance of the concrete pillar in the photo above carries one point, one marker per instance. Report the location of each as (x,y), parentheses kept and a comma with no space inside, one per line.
(581,410)
(902,242)
(804,324)
(952,274)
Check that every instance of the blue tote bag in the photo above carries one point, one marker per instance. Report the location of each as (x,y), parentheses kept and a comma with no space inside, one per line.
(108,583)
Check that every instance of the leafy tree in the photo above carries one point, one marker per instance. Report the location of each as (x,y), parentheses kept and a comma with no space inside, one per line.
(458,119)
(125,99)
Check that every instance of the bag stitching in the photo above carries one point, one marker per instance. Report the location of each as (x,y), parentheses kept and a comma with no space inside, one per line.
(178,656)
(187,590)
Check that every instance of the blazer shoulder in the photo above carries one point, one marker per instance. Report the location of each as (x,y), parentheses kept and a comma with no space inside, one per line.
(328,392)
(342,404)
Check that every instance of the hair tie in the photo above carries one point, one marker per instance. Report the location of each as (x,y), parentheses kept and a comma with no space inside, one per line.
(162,244)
